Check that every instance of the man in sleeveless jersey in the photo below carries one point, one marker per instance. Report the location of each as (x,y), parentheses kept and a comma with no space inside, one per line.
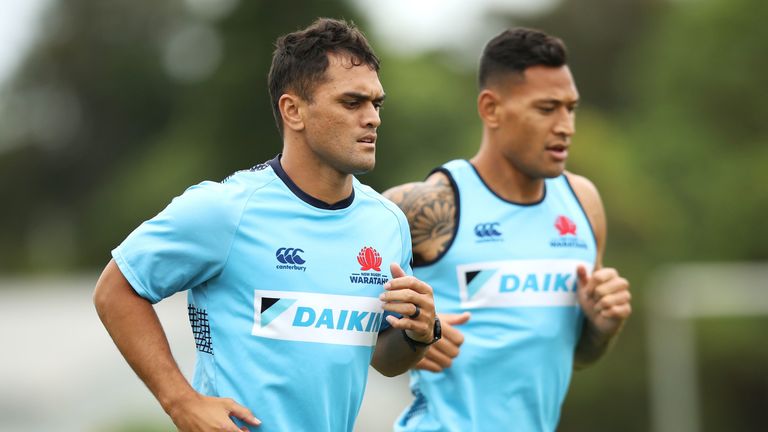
(286,265)
(512,245)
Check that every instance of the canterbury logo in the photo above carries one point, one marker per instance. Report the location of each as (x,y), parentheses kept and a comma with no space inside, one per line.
(289,256)
(369,259)
(487,229)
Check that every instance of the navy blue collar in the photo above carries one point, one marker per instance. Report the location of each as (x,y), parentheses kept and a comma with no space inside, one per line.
(314,202)
(543,195)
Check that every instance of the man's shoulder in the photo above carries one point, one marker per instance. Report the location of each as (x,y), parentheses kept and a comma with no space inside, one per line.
(589,198)
(430,207)
(584,189)
(252,178)
(417,194)
(222,200)
(368,193)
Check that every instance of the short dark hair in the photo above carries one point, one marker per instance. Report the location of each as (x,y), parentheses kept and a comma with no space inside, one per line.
(301,58)
(515,50)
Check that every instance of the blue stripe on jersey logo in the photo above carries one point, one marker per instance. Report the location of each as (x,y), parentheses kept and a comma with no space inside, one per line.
(271,309)
(476,280)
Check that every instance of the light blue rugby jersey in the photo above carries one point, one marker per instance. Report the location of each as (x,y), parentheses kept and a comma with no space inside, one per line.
(283,291)
(513,267)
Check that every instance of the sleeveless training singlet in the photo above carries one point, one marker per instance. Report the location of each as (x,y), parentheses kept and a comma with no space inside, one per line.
(513,266)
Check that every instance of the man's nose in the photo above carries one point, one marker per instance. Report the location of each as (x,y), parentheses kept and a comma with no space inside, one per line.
(371,117)
(566,124)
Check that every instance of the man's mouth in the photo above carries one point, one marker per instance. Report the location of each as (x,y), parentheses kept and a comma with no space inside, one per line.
(368,139)
(558,151)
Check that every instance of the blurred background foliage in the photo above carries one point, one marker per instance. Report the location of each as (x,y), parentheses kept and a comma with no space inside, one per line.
(121,105)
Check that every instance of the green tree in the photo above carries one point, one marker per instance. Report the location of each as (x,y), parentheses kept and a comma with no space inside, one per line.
(700,129)
(97,135)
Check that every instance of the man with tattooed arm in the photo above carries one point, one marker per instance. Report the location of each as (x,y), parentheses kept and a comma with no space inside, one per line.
(512,245)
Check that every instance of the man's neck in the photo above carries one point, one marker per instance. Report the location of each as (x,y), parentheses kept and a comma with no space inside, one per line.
(506,180)
(314,177)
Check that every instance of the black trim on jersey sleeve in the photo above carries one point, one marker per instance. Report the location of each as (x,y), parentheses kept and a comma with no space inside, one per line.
(314,202)
(543,196)
(457,199)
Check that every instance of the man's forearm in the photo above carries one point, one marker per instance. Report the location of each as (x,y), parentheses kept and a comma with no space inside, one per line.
(393,355)
(136,330)
(592,346)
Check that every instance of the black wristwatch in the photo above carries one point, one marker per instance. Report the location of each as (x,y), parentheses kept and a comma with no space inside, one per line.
(437,334)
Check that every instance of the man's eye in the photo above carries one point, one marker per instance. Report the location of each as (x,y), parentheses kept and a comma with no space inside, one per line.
(351,104)
(378,105)
(547,110)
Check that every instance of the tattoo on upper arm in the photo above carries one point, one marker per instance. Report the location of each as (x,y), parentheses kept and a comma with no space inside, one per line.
(431,211)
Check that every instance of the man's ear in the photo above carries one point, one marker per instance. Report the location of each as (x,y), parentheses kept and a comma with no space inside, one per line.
(488,107)
(292,110)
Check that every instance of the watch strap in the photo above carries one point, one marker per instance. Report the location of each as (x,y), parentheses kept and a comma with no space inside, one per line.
(436,332)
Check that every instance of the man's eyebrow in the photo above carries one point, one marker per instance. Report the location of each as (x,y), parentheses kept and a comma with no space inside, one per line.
(363,96)
(556,101)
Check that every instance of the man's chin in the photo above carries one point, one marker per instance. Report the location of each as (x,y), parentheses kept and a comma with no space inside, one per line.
(553,172)
(363,170)
(362,167)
